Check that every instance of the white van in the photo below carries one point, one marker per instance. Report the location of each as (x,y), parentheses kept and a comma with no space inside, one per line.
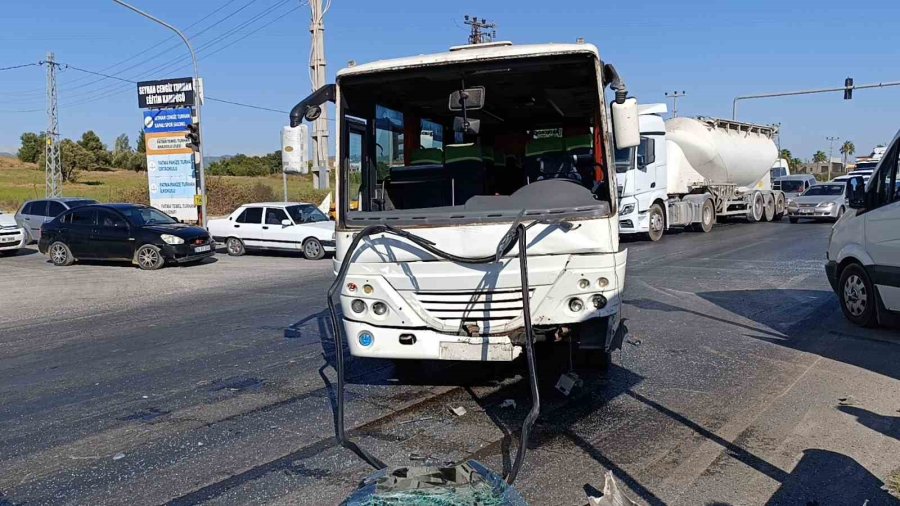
(864,250)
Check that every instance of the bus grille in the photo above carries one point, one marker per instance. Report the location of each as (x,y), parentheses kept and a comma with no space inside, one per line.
(486,310)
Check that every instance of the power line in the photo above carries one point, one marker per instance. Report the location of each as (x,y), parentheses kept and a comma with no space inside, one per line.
(176,64)
(20,66)
(102,92)
(246,105)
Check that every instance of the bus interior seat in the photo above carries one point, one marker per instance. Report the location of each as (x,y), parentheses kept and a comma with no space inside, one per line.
(546,158)
(465,166)
(427,156)
(419,186)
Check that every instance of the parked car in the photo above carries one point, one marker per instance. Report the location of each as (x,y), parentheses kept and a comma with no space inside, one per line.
(35,213)
(289,226)
(822,201)
(12,236)
(794,185)
(863,256)
(141,234)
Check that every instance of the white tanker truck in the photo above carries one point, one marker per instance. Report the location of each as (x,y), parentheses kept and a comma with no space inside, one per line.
(688,172)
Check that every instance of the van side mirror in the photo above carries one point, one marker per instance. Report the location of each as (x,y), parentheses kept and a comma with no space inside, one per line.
(856,192)
(626,127)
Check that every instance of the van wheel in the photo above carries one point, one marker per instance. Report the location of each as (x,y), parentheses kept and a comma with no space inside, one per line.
(149,257)
(858,296)
(60,254)
(235,247)
(312,249)
(657,222)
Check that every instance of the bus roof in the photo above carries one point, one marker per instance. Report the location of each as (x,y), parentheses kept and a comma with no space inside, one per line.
(468,53)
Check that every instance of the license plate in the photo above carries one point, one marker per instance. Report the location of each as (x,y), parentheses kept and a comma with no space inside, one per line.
(806,211)
(7,239)
(201,249)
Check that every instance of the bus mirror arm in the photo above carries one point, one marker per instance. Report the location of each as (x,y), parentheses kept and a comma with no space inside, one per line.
(310,107)
(611,76)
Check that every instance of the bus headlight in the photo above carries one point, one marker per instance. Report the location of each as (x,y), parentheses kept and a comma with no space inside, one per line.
(575,305)
(379,308)
(358,306)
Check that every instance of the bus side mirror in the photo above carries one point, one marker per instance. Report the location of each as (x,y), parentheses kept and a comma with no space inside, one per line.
(626,128)
(856,192)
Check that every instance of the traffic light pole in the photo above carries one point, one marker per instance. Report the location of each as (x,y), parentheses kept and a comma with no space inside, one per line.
(197,104)
(807,92)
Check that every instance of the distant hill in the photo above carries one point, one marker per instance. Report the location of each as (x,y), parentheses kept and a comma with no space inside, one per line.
(4,154)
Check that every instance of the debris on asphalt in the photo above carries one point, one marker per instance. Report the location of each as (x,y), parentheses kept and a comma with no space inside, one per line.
(846,401)
(458,411)
(508,403)
(567,382)
(119,456)
(634,341)
(612,496)
(412,420)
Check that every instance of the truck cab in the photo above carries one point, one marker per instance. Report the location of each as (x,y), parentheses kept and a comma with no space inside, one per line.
(642,177)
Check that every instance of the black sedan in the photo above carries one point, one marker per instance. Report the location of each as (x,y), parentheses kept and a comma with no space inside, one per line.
(143,235)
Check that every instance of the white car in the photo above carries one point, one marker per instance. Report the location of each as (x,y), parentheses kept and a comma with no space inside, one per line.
(864,249)
(290,226)
(12,236)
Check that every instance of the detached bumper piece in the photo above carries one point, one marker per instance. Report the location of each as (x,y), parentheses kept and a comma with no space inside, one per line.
(463,484)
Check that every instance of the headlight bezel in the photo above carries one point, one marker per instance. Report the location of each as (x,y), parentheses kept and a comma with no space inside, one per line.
(626,209)
(172,240)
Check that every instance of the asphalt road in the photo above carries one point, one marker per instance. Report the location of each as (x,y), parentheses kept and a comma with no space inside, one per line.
(741,384)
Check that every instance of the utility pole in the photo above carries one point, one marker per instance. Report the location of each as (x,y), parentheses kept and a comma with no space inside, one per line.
(482,31)
(317,67)
(52,159)
(675,96)
(198,101)
(830,152)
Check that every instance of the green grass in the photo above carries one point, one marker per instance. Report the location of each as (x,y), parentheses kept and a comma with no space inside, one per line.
(23,181)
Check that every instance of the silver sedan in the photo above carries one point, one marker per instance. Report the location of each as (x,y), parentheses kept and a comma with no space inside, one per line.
(822,201)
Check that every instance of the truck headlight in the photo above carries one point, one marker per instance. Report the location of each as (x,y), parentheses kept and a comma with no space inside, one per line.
(627,209)
(171,239)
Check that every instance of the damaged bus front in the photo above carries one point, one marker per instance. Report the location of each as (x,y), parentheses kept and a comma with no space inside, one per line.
(439,158)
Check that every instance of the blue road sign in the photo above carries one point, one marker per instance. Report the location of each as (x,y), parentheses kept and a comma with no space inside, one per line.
(167,120)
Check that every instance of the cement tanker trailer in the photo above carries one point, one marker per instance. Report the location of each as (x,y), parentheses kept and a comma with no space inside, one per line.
(689,172)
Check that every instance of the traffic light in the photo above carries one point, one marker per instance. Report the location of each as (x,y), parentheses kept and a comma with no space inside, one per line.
(848,88)
(193,136)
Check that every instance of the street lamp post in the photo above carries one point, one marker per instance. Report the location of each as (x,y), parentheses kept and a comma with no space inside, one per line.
(197,102)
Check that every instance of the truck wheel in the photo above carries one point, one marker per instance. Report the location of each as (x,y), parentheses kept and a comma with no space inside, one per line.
(779,207)
(707,217)
(756,207)
(858,296)
(769,211)
(657,223)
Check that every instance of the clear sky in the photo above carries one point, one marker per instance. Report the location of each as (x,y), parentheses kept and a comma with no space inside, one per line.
(256,51)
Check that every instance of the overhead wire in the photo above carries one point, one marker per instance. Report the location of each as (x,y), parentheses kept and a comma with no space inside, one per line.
(182,62)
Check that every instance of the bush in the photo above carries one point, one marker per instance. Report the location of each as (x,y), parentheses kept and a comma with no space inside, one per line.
(224,197)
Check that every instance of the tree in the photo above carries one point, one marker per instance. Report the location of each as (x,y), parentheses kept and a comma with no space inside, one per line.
(786,154)
(141,143)
(819,157)
(847,149)
(91,143)
(123,145)
(32,146)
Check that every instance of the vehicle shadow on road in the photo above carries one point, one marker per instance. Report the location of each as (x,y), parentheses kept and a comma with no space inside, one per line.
(826,477)
(887,425)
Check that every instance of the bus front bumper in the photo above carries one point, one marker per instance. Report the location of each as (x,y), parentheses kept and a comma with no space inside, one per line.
(424,344)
